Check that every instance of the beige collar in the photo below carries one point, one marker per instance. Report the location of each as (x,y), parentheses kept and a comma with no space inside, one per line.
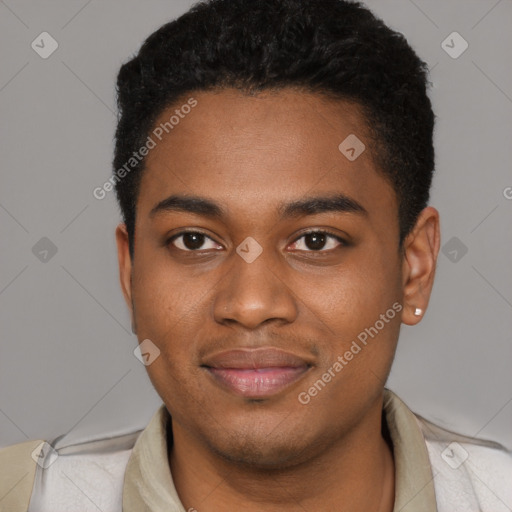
(148,484)
(414,483)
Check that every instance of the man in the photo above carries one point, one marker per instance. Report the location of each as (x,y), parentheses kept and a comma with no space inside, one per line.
(273,163)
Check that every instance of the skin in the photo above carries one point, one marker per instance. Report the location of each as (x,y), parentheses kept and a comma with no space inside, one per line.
(249,154)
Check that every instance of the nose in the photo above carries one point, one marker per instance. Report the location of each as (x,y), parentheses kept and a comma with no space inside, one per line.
(254,293)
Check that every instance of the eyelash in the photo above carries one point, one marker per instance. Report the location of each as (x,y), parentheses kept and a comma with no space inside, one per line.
(342,242)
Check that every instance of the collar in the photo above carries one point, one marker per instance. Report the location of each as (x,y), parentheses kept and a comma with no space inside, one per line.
(414,482)
(149,487)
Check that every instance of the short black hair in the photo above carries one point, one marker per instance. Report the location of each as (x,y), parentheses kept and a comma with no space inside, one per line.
(335,48)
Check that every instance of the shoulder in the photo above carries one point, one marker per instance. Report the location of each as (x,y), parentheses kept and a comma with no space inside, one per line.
(20,455)
(83,476)
(17,471)
(58,476)
(468,472)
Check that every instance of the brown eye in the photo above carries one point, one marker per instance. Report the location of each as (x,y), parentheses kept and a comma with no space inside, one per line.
(193,241)
(316,241)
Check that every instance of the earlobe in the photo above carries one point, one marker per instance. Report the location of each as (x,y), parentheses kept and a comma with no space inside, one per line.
(421,248)
(125,265)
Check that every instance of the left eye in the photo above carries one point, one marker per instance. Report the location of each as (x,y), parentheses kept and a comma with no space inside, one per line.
(318,240)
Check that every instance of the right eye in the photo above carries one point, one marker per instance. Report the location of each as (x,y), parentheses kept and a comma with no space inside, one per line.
(191,241)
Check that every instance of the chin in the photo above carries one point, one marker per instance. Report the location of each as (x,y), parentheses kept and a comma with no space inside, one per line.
(261,452)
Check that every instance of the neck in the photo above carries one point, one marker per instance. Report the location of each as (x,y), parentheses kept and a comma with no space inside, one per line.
(355,473)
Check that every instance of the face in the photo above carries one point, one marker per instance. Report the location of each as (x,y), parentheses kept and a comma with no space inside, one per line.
(276,296)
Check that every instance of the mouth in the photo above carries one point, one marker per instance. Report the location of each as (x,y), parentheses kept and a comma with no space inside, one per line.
(256,373)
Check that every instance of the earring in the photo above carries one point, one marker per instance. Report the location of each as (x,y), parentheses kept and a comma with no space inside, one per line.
(418,312)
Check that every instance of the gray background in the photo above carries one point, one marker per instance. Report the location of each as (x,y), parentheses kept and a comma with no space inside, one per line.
(67,363)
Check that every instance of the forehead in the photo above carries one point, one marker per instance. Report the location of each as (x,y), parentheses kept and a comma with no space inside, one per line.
(254,152)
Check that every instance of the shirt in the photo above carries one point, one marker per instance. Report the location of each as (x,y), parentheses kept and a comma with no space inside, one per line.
(435,470)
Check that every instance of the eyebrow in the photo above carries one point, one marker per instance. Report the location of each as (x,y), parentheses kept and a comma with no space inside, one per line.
(339,203)
(308,206)
(190,204)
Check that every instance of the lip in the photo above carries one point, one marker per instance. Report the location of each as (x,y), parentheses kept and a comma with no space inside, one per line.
(256,373)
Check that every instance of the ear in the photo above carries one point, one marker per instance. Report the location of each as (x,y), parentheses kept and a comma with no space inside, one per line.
(125,266)
(420,251)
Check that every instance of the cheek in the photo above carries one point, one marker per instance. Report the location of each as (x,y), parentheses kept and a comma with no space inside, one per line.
(355,296)
(163,299)
(361,307)
(170,308)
